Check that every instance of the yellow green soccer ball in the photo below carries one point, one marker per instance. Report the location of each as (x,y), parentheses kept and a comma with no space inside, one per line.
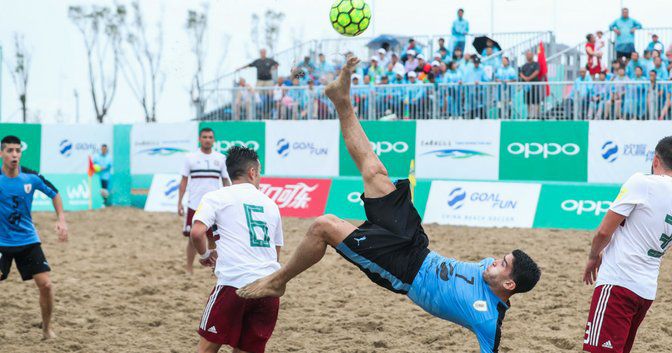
(350,17)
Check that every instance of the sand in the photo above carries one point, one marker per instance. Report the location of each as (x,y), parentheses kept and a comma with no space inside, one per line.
(120,288)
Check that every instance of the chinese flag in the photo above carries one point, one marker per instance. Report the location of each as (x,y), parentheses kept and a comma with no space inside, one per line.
(543,67)
(91,170)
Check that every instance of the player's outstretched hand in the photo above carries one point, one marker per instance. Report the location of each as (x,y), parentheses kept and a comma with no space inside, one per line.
(210,261)
(62,230)
(590,273)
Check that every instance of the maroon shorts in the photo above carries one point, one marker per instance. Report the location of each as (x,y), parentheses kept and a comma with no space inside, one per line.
(246,324)
(615,315)
(189,220)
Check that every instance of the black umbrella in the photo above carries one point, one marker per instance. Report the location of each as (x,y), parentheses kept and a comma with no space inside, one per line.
(377,43)
(480,43)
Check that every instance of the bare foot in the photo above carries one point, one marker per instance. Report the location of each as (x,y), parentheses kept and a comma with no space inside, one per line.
(339,89)
(261,288)
(48,334)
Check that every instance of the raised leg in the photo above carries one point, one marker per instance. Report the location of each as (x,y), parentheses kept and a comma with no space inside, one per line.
(376,181)
(326,230)
(46,289)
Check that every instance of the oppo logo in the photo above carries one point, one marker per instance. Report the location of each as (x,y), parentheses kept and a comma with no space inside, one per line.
(223,146)
(355,197)
(543,149)
(381,147)
(586,206)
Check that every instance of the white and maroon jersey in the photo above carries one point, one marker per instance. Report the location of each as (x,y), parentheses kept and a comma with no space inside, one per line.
(632,258)
(205,172)
(249,227)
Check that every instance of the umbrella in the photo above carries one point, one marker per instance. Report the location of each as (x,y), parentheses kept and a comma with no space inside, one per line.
(377,42)
(480,43)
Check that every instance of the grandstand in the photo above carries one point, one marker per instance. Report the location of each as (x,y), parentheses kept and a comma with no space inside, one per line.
(561,95)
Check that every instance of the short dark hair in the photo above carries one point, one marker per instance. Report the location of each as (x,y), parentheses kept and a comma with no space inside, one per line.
(460,10)
(104,145)
(664,151)
(205,129)
(525,272)
(9,139)
(239,160)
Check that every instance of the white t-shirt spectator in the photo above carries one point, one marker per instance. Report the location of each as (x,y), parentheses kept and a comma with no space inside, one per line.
(632,258)
(205,172)
(249,227)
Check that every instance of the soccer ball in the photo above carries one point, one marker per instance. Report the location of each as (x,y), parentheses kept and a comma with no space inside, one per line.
(350,17)
(97,168)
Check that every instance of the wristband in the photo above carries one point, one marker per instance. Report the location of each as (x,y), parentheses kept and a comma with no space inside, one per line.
(206,254)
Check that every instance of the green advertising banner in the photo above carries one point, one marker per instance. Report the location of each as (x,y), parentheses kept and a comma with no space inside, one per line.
(393,142)
(544,150)
(345,202)
(573,206)
(31,139)
(239,133)
(74,190)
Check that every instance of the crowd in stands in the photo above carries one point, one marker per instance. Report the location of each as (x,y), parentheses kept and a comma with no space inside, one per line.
(638,92)
(406,83)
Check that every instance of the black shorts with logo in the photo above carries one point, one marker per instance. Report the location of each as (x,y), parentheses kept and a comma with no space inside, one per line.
(391,245)
(29,260)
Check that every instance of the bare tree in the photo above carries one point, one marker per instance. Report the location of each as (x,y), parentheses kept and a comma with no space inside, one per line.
(197,24)
(142,62)
(271,28)
(20,71)
(101,30)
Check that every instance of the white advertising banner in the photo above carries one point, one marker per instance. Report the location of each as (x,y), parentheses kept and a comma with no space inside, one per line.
(618,149)
(302,148)
(66,148)
(482,204)
(457,149)
(161,148)
(163,193)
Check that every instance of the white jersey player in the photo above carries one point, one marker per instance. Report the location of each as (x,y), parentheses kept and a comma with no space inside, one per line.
(626,253)
(248,227)
(203,171)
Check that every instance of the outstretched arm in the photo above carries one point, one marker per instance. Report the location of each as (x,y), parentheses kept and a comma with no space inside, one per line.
(376,180)
(61,225)
(609,225)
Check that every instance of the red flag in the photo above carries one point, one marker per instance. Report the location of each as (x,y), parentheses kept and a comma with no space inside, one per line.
(91,170)
(543,67)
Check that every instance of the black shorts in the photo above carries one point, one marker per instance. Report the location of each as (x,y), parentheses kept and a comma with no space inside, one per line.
(104,184)
(29,260)
(391,245)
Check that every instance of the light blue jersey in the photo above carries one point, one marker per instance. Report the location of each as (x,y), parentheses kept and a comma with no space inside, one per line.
(16,202)
(456,291)
(105,161)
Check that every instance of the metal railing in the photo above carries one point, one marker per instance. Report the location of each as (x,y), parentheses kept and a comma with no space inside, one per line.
(606,100)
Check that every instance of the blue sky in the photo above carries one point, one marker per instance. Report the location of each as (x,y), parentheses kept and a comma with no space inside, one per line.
(59,66)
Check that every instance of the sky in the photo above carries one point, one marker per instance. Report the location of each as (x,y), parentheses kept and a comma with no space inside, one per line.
(59,68)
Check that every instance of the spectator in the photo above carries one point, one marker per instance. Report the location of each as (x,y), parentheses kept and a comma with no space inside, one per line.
(647,61)
(506,73)
(490,63)
(662,74)
(633,64)
(443,55)
(619,89)
(264,67)
(530,73)
(594,57)
(375,71)
(411,61)
(415,96)
(323,68)
(436,71)
(625,28)
(423,65)
(383,58)
(613,73)
(453,95)
(246,100)
(664,97)
(599,98)
(635,96)
(442,44)
(412,46)
(489,44)
(600,45)
(655,45)
(466,63)
(581,92)
(395,66)
(307,67)
(104,161)
(459,31)
(668,56)
(360,95)
(474,96)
